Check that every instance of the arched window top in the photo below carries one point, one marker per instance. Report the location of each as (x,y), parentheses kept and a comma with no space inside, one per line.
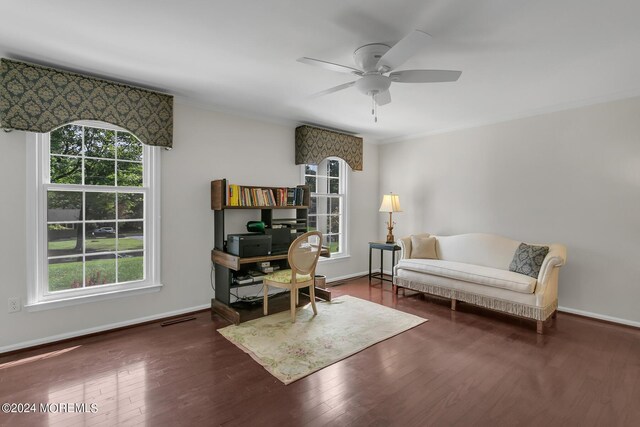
(313,145)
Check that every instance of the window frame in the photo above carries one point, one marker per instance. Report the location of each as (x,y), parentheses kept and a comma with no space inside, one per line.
(343,195)
(38,295)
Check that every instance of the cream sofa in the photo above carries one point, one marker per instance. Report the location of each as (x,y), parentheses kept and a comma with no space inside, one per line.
(474,268)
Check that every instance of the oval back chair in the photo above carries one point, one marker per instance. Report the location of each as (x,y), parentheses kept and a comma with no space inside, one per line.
(303,258)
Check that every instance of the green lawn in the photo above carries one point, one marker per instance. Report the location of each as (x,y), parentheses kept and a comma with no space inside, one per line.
(98,245)
(102,271)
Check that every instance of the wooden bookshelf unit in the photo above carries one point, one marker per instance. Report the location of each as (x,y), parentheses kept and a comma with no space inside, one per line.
(229,267)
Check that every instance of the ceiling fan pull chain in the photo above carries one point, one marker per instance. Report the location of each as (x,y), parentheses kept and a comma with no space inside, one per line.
(373,104)
(375,108)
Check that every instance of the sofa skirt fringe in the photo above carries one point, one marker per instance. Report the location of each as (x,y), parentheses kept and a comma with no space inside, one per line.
(497,304)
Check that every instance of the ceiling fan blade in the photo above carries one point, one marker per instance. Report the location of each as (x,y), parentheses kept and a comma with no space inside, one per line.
(333,89)
(330,66)
(383,98)
(403,50)
(424,76)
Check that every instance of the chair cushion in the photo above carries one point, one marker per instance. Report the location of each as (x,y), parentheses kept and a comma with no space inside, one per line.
(472,273)
(284,276)
(528,259)
(423,247)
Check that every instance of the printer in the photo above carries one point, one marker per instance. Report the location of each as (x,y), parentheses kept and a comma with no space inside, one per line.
(249,244)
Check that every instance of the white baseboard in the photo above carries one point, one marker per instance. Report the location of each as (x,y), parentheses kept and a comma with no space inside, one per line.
(102,328)
(599,316)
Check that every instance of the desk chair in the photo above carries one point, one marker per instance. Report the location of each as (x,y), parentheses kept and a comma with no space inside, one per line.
(303,257)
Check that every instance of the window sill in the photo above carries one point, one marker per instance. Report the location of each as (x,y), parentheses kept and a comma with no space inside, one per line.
(333,259)
(66,302)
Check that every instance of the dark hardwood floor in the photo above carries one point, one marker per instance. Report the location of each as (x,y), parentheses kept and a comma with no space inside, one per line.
(469,367)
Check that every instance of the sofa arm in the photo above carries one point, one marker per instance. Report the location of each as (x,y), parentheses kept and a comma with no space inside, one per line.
(548,276)
(556,257)
(405,247)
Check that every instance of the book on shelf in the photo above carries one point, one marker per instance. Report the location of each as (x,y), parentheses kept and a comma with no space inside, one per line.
(291,196)
(234,195)
(298,200)
(238,195)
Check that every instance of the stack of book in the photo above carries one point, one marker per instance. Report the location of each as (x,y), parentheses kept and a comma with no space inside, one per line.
(239,195)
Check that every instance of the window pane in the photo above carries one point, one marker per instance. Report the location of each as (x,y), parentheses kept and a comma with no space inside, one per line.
(335,205)
(130,235)
(322,168)
(100,205)
(313,223)
(334,223)
(311,169)
(100,237)
(129,148)
(130,205)
(130,267)
(66,140)
(129,174)
(334,168)
(323,205)
(65,170)
(65,273)
(334,185)
(64,206)
(99,143)
(321,185)
(64,239)
(333,242)
(99,172)
(323,224)
(311,182)
(314,206)
(100,270)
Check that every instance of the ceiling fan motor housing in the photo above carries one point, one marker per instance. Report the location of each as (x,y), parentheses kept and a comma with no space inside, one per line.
(371,84)
(367,56)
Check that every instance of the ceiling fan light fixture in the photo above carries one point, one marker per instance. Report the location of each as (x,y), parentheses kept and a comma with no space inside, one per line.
(370,84)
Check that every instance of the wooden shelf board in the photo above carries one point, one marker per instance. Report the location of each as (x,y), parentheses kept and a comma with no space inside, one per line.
(263,207)
(234,262)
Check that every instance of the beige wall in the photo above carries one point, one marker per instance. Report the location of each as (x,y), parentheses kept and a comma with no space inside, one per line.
(208,145)
(571,177)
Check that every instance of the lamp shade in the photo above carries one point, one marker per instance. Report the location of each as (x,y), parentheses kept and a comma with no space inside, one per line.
(390,203)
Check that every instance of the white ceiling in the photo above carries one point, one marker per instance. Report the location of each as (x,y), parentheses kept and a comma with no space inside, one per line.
(518,57)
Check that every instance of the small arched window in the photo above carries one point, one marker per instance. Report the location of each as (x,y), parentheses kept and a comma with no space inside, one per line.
(327,182)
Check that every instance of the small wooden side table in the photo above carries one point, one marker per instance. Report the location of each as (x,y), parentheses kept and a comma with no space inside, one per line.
(382,246)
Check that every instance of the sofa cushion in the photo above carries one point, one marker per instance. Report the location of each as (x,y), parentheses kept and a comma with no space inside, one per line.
(423,247)
(472,273)
(528,259)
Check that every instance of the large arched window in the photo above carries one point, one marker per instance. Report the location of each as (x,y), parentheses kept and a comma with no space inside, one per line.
(94,227)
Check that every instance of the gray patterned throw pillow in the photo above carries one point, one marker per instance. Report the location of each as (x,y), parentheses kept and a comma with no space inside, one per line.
(528,259)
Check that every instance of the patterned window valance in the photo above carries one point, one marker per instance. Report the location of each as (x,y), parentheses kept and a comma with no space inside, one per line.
(39,99)
(315,144)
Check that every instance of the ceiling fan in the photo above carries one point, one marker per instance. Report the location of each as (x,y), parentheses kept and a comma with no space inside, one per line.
(375,60)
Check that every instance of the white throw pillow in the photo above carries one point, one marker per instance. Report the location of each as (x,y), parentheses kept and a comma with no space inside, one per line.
(423,247)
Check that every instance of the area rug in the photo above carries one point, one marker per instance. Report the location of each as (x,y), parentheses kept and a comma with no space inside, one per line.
(343,327)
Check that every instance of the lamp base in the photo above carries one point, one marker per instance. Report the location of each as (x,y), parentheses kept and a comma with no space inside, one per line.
(390,238)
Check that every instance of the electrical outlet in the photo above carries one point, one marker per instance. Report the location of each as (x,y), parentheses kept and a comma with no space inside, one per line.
(14,304)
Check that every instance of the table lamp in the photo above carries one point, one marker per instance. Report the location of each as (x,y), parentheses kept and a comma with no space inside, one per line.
(391,204)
